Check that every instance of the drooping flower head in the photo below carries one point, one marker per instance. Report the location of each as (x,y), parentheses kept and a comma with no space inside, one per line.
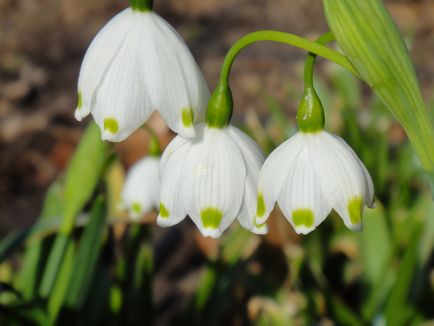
(141,191)
(312,173)
(135,65)
(212,178)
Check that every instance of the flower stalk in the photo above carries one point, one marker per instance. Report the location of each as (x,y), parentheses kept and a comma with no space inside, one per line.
(310,113)
(285,38)
(141,5)
(220,109)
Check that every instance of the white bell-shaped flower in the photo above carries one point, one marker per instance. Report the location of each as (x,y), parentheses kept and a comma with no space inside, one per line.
(141,191)
(212,178)
(135,65)
(311,174)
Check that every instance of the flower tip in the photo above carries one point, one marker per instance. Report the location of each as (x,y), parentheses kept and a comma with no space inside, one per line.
(164,221)
(260,230)
(372,203)
(211,233)
(106,135)
(135,216)
(260,220)
(187,132)
(77,114)
(355,227)
(110,130)
(303,230)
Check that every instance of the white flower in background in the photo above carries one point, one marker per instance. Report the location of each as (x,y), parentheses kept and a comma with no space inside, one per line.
(135,65)
(142,187)
(311,174)
(212,178)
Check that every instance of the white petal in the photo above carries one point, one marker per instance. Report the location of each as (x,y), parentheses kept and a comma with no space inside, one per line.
(300,199)
(98,58)
(172,171)
(247,145)
(172,148)
(369,193)
(253,159)
(274,174)
(122,96)
(369,199)
(214,185)
(342,178)
(141,190)
(175,83)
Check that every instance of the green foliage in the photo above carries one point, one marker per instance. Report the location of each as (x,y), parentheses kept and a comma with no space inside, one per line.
(83,174)
(87,255)
(370,39)
(81,178)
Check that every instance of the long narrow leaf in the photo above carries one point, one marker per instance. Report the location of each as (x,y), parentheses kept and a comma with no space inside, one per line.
(62,282)
(398,307)
(87,255)
(32,260)
(371,40)
(82,176)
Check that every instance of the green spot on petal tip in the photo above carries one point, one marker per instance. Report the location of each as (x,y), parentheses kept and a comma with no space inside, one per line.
(111,125)
(211,218)
(187,117)
(79,100)
(136,208)
(260,207)
(164,212)
(355,207)
(303,217)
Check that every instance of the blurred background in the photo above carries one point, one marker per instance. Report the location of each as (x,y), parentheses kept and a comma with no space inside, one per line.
(142,273)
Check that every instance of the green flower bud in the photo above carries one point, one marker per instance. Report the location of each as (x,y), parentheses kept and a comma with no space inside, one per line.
(310,114)
(220,107)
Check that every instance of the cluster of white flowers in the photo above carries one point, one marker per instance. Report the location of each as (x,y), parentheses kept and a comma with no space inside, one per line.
(137,64)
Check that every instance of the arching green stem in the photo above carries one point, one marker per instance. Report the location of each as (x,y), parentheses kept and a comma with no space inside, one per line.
(286,38)
(311,57)
(220,109)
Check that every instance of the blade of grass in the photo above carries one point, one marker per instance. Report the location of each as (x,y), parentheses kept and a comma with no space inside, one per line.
(60,287)
(87,255)
(376,253)
(398,306)
(54,264)
(82,176)
(29,273)
(375,244)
